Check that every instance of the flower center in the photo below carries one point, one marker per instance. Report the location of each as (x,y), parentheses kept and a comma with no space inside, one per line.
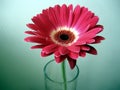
(64,36)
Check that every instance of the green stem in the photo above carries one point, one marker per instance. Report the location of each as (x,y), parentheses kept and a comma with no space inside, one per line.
(64,75)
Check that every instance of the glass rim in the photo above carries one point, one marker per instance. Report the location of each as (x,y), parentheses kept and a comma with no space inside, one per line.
(69,81)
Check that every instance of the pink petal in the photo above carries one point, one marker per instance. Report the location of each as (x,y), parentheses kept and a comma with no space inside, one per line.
(60,59)
(98,39)
(57,9)
(74,48)
(34,39)
(82,16)
(87,17)
(76,13)
(73,55)
(33,26)
(72,62)
(82,53)
(70,16)
(37,22)
(42,35)
(41,25)
(86,22)
(38,34)
(44,54)
(57,54)
(85,47)
(64,15)
(41,21)
(57,13)
(37,46)
(63,50)
(30,32)
(50,48)
(46,22)
(99,26)
(92,50)
(83,29)
(94,21)
(90,41)
(70,7)
(85,25)
(95,30)
(80,42)
(70,19)
(87,37)
(45,12)
(53,17)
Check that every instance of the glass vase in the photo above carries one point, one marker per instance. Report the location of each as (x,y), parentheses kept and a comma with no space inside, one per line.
(58,79)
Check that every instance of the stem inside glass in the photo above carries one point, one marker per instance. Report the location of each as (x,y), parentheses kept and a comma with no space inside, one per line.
(55,67)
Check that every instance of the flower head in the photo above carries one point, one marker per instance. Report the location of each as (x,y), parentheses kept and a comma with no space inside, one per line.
(65,32)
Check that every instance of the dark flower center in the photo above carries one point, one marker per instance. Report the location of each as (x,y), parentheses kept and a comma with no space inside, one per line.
(64,37)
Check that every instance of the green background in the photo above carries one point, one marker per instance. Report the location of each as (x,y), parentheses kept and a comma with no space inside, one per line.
(22,68)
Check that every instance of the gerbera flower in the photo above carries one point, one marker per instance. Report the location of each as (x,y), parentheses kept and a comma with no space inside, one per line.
(65,32)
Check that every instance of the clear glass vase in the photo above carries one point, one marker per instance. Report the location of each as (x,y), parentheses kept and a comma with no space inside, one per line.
(54,79)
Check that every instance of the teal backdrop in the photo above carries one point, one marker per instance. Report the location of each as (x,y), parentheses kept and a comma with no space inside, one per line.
(22,68)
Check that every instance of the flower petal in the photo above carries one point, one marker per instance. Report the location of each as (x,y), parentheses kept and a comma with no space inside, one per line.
(70,19)
(60,59)
(30,32)
(87,17)
(50,48)
(57,14)
(70,15)
(46,22)
(93,32)
(90,41)
(37,46)
(83,28)
(92,50)
(72,62)
(82,53)
(42,21)
(33,26)
(35,39)
(44,54)
(57,54)
(74,48)
(94,21)
(70,7)
(85,47)
(85,23)
(73,55)
(37,22)
(76,14)
(98,39)
(64,15)
(63,50)
(82,16)
(52,17)
(87,37)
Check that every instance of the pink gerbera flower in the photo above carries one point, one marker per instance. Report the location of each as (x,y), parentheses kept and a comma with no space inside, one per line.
(65,32)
